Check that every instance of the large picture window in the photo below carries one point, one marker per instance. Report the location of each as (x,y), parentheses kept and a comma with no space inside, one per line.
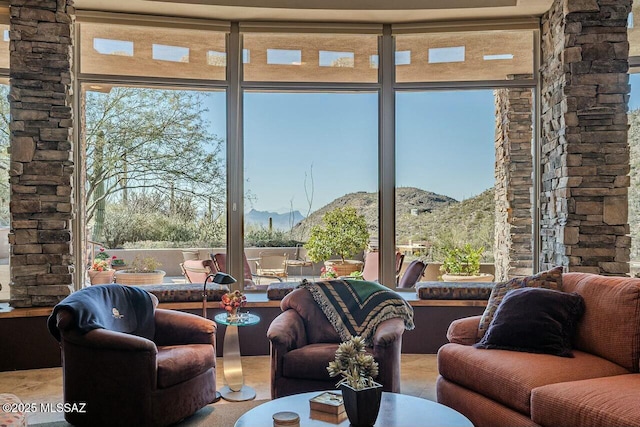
(155,171)
(307,136)
(307,154)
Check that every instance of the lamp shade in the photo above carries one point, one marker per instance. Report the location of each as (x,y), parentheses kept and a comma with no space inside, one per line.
(223,279)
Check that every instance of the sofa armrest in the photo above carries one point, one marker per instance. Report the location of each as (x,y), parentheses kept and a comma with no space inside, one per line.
(388,332)
(287,331)
(387,345)
(176,328)
(104,339)
(464,331)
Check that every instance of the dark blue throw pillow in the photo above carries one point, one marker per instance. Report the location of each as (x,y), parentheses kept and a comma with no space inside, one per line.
(535,320)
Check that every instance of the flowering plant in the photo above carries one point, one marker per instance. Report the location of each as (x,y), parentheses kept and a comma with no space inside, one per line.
(328,273)
(100,265)
(232,300)
(103,255)
(356,366)
(102,261)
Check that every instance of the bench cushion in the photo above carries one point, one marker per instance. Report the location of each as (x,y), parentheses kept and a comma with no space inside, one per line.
(453,291)
(188,292)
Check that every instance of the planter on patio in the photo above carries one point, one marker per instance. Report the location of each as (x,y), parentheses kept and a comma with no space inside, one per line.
(127,277)
(101,277)
(344,268)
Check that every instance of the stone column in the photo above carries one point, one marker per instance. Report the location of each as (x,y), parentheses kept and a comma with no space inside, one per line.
(41,151)
(585,154)
(513,187)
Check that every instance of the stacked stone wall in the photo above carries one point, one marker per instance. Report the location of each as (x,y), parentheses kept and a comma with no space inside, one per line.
(41,165)
(513,183)
(585,154)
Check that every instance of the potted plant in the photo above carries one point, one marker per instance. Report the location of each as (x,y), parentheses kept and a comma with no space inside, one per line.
(361,394)
(343,232)
(118,264)
(100,271)
(462,264)
(143,271)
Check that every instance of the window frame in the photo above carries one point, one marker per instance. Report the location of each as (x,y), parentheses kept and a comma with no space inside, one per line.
(235,86)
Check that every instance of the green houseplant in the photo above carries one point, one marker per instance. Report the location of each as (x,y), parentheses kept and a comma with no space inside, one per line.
(143,271)
(344,233)
(360,392)
(462,264)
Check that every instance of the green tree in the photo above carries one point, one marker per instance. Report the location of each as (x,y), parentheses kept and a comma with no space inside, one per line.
(140,139)
(343,232)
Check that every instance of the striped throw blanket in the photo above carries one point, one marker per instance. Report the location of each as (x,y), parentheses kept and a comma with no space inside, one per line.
(357,307)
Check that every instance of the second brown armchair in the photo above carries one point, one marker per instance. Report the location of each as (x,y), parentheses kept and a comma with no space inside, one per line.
(303,342)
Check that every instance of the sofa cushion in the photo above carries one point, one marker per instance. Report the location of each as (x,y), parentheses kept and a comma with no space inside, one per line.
(551,279)
(183,362)
(535,320)
(508,376)
(610,327)
(610,401)
(309,362)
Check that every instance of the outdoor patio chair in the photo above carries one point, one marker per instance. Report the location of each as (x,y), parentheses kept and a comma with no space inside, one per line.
(220,262)
(196,271)
(412,274)
(272,265)
(372,263)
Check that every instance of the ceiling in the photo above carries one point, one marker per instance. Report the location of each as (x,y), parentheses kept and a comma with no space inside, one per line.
(357,11)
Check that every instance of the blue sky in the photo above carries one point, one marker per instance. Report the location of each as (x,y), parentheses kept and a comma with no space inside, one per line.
(444,144)
(634,101)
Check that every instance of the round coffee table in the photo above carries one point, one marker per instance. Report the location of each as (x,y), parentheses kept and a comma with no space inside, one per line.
(396,410)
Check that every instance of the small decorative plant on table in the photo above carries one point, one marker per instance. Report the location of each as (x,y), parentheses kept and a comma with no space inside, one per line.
(360,392)
(231,302)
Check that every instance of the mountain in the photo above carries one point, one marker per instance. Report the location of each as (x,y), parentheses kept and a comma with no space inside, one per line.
(408,200)
(421,216)
(280,221)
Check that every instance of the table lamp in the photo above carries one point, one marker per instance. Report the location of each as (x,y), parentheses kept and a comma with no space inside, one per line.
(220,279)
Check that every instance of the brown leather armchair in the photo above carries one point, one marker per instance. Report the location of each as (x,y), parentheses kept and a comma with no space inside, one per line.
(126,379)
(303,342)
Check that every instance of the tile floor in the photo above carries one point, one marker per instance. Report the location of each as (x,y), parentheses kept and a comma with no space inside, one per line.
(419,373)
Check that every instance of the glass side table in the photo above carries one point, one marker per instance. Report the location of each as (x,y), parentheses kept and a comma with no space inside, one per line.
(235,390)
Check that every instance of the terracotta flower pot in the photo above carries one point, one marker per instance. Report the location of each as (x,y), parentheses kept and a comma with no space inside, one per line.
(101,277)
(346,268)
(128,277)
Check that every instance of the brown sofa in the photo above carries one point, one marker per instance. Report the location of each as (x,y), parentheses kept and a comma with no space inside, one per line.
(600,386)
